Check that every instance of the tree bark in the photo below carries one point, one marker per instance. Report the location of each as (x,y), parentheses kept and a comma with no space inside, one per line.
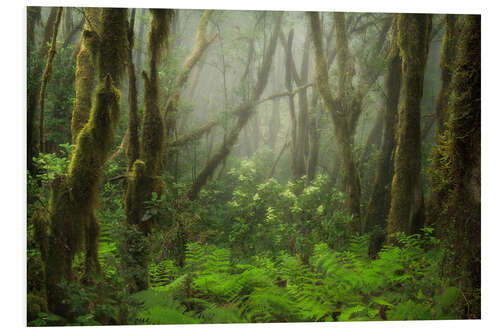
(145,174)
(407,203)
(74,196)
(345,109)
(47,72)
(449,49)
(379,203)
(460,172)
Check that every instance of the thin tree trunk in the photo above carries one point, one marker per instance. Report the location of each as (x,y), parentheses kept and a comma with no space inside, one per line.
(144,176)
(379,203)
(47,72)
(245,111)
(33,73)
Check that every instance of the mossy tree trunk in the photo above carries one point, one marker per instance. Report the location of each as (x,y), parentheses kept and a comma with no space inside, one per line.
(74,196)
(85,72)
(145,175)
(448,55)
(345,109)
(407,203)
(379,203)
(460,171)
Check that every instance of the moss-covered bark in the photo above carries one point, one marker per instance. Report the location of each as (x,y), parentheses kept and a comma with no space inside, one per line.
(448,54)
(460,171)
(379,204)
(74,196)
(144,176)
(345,109)
(85,73)
(407,205)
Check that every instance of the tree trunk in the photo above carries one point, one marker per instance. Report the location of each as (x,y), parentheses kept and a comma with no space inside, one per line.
(407,204)
(35,73)
(85,73)
(144,176)
(244,112)
(47,72)
(345,109)
(449,50)
(460,171)
(74,196)
(379,203)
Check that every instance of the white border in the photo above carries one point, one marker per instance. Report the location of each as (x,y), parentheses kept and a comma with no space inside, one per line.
(13,139)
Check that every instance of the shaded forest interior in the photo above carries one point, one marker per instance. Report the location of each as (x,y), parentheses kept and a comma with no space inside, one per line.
(206,166)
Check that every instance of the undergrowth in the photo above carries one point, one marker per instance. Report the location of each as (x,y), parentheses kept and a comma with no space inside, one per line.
(401,284)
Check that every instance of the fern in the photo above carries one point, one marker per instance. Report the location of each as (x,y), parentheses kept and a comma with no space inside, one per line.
(163,273)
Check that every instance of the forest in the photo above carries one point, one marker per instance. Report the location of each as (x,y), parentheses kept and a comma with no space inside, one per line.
(223,166)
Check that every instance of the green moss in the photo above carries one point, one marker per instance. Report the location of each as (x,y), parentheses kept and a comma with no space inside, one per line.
(458,177)
(407,210)
(84,83)
(112,57)
(380,199)
(35,305)
(144,176)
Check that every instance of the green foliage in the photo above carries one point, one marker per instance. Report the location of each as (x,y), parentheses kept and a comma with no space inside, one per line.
(52,165)
(346,285)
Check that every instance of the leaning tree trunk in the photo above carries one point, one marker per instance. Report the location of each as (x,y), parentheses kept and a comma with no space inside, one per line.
(407,203)
(244,112)
(379,204)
